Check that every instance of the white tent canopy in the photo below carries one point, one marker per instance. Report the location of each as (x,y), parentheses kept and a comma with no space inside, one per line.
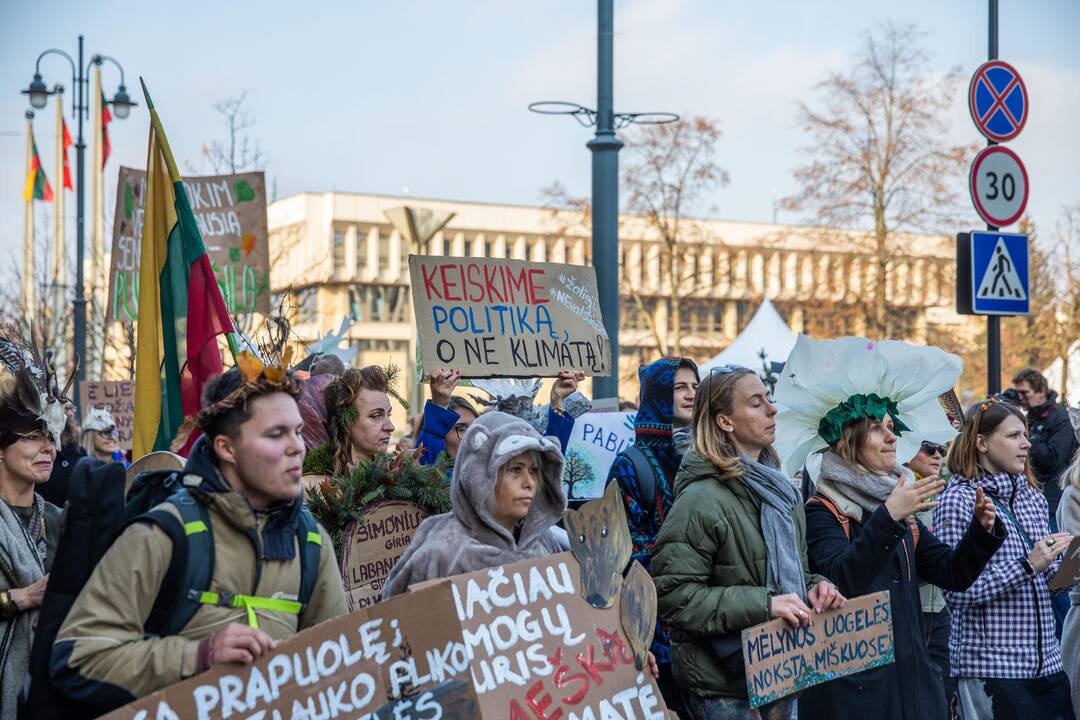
(766,331)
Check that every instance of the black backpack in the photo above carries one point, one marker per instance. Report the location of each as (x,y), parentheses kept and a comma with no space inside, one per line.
(96,515)
(646,477)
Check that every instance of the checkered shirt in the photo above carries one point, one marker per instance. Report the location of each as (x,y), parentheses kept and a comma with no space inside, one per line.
(1002,626)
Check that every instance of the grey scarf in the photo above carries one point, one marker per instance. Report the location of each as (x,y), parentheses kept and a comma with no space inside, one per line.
(776,497)
(22,563)
(856,485)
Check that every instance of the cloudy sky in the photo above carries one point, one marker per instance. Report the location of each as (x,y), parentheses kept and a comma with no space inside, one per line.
(428,97)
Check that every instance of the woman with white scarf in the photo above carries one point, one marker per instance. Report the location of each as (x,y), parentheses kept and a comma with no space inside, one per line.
(852,411)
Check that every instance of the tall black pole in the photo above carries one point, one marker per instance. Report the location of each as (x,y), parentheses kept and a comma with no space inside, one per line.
(993,322)
(605,198)
(79,304)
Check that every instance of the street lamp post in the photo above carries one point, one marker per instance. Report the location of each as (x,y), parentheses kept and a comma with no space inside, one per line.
(38,94)
(605,147)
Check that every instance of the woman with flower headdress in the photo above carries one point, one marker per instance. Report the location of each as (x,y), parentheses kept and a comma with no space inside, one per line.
(1003,647)
(354,469)
(32,417)
(852,411)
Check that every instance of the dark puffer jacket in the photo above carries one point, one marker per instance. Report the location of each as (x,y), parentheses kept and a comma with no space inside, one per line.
(1052,446)
(709,567)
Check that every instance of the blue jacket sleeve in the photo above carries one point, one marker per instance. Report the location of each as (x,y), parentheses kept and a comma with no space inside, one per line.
(561,426)
(438,421)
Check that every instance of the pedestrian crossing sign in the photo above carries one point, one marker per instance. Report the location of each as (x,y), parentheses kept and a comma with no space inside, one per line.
(999,274)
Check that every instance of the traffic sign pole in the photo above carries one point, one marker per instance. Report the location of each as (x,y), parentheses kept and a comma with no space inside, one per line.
(993,322)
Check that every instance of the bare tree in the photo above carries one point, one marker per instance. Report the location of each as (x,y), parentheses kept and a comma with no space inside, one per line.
(879,159)
(669,175)
(238,151)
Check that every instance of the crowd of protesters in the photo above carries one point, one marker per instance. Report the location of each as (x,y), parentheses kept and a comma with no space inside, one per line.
(745,504)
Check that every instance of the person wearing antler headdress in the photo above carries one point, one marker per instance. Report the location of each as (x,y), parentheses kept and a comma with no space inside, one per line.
(273,571)
(851,412)
(32,417)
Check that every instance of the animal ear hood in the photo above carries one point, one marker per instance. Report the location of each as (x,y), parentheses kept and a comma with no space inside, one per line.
(489,443)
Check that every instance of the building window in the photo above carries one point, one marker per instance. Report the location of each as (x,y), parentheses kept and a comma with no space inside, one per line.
(404,257)
(306,303)
(384,251)
(339,249)
(379,303)
(361,252)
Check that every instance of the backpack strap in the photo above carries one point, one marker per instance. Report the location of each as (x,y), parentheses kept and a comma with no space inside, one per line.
(844,520)
(309,540)
(646,478)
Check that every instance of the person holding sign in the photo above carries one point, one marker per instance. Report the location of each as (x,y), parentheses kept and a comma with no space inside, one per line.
(852,410)
(1068,517)
(732,552)
(1003,647)
(272,570)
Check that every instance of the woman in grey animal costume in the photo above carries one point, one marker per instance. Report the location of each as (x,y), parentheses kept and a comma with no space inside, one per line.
(476,533)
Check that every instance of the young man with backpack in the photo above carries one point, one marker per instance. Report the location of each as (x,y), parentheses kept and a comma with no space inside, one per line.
(646,471)
(254,566)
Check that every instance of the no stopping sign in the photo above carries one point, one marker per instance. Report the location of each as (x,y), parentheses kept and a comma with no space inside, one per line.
(999,186)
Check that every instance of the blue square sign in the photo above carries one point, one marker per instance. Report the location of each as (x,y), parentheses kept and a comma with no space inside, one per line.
(999,274)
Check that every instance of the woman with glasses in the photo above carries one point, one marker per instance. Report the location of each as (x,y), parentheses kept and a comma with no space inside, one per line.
(851,411)
(927,464)
(732,552)
(1003,649)
(32,418)
(100,438)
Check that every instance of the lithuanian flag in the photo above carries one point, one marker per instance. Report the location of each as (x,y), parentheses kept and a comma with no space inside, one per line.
(37,185)
(181,311)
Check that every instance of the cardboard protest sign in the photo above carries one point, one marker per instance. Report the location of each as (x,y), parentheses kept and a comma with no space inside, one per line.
(508,318)
(116,396)
(1068,573)
(230,211)
(337,669)
(370,548)
(595,441)
(781,659)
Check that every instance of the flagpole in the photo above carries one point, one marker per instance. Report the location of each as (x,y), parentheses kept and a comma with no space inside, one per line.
(174,174)
(99,283)
(58,276)
(28,229)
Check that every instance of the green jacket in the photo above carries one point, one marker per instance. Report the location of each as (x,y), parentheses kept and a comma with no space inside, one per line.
(709,569)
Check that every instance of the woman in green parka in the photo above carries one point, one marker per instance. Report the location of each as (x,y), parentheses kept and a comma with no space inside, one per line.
(732,551)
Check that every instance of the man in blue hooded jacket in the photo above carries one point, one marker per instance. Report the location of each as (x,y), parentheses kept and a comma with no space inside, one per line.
(646,471)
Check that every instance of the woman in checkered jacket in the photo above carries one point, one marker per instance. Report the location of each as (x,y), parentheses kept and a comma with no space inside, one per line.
(1003,648)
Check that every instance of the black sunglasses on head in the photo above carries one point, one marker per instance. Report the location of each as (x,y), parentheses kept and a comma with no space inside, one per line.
(931,449)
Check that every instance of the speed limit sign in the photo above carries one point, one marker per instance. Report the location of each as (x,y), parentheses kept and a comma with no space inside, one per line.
(999,186)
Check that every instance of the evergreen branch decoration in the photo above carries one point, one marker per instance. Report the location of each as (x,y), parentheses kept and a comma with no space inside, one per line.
(338,501)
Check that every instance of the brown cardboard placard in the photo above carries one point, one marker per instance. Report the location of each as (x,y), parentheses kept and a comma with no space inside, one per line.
(781,660)
(490,317)
(1068,573)
(370,548)
(230,211)
(116,396)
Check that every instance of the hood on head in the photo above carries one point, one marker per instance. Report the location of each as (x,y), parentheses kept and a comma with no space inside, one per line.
(656,411)
(491,440)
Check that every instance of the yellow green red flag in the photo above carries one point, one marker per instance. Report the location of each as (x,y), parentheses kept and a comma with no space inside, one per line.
(181,311)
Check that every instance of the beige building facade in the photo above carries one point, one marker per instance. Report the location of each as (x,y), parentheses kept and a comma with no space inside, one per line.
(336,255)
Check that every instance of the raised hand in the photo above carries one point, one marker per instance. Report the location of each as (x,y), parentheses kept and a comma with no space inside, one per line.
(909,498)
(564,387)
(442,386)
(985,512)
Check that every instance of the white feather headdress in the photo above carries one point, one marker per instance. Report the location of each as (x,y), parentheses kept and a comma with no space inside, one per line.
(820,375)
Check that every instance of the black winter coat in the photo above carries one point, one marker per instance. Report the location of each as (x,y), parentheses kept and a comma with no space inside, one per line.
(57,489)
(877,558)
(1052,445)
